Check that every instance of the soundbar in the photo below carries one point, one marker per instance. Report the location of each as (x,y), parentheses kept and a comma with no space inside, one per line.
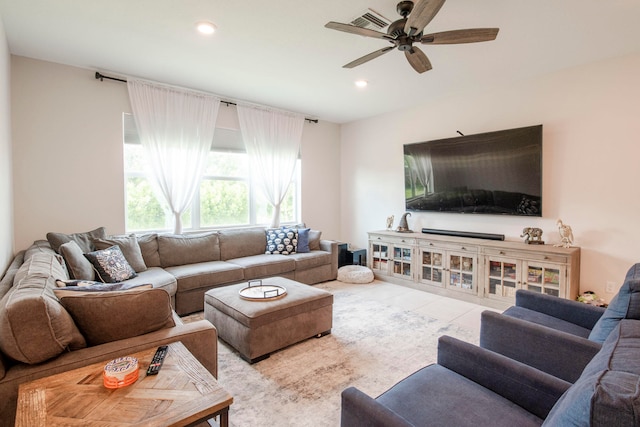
(471,234)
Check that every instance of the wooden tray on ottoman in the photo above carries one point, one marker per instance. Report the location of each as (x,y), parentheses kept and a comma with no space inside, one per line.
(257,328)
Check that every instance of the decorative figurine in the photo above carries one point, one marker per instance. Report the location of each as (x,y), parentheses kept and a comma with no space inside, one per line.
(390,222)
(566,235)
(403,226)
(532,236)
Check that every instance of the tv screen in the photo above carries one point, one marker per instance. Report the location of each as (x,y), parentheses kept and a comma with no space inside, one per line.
(489,173)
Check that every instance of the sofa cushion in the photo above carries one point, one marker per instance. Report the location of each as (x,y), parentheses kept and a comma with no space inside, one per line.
(34,327)
(308,260)
(264,265)
(625,305)
(110,316)
(7,280)
(110,265)
(78,266)
(82,239)
(608,391)
(281,241)
(128,245)
(446,398)
(149,248)
(243,242)
(206,274)
(160,278)
(188,249)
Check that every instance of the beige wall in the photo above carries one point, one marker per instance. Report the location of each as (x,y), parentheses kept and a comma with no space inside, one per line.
(591,150)
(6,199)
(67,143)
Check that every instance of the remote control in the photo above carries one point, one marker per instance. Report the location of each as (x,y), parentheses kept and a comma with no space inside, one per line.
(158,359)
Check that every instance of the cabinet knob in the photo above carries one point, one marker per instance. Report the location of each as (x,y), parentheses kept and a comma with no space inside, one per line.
(463,248)
(546,257)
(430,244)
(402,241)
(501,252)
(379,238)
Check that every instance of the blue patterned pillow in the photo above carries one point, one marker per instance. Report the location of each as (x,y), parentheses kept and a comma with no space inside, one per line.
(110,265)
(282,241)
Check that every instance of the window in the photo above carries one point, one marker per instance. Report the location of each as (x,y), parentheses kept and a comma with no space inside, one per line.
(226,196)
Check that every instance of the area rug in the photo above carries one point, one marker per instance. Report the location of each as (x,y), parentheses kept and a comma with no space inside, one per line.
(372,346)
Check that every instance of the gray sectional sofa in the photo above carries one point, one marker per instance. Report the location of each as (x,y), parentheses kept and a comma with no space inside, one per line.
(188,265)
(47,329)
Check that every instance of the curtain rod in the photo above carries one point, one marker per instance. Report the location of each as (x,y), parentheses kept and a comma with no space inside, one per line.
(101,77)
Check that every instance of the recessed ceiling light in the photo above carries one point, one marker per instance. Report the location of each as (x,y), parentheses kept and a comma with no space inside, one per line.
(361,83)
(206,27)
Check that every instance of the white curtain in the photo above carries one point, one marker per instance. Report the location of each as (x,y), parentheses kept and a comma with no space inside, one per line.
(272,139)
(176,130)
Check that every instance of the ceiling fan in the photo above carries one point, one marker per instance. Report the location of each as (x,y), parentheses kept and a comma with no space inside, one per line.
(404,32)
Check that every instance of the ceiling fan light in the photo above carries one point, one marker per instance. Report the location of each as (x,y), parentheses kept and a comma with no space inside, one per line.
(361,83)
(206,27)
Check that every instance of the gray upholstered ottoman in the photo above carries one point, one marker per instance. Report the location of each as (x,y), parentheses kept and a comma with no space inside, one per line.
(257,328)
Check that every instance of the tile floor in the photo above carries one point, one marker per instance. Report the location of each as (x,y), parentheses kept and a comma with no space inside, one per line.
(461,313)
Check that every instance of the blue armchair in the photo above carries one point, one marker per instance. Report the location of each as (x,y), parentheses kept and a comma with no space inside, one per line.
(469,386)
(565,334)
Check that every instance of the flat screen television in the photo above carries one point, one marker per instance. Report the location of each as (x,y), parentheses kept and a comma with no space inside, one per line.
(488,173)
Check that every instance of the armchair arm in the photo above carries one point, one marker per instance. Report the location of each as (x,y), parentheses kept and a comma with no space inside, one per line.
(535,391)
(360,410)
(581,314)
(558,353)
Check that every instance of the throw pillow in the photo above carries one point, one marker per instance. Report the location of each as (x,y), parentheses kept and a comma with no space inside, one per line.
(303,240)
(625,305)
(82,239)
(281,241)
(110,316)
(111,265)
(149,249)
(314,240)
(129,247)
(78,266)
(34,327)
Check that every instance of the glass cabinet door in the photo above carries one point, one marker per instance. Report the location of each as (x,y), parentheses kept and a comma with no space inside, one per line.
(431,267)
(544,278)
(461,272)
(379,257)
(402,261)
(503,278)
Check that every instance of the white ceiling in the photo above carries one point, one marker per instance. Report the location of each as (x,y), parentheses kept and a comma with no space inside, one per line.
(278,52)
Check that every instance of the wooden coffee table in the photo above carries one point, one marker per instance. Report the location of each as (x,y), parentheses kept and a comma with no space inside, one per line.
(183,393)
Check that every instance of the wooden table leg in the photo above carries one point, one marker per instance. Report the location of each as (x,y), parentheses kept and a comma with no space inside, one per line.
(224,418)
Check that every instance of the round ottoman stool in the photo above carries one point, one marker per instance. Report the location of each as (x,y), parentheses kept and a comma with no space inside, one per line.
(355,274)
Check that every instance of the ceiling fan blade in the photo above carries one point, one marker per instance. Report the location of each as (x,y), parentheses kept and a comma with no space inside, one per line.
(347,28)
(369,57)
(422,13)
(471,35)
(418,59)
